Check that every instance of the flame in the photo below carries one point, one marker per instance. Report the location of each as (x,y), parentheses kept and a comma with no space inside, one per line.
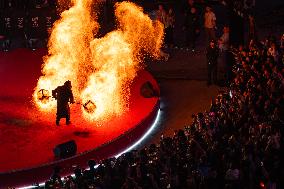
(69,53)
(100,69)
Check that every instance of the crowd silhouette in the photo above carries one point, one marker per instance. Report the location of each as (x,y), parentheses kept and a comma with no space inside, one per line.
(237,143)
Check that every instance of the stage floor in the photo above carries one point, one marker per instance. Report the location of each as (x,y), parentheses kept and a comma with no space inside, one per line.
(27,136)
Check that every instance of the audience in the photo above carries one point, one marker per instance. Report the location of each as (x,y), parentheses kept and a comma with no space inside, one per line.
(237,143)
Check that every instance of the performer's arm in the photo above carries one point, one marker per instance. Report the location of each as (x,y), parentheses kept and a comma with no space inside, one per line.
(54,93)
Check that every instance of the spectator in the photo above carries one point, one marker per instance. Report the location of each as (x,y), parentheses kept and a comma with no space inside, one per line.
(169,28)
(273,52)
(55,179)
(161,14)
(191,28)
(212,54)
(224,39)
(282,43)
(225,55)
(251,28)
(189,4)
(210,23)
(5,43)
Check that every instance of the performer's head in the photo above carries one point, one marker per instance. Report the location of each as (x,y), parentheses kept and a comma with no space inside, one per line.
(68,84)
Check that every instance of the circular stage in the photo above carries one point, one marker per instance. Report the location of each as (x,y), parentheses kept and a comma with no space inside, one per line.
(27,136)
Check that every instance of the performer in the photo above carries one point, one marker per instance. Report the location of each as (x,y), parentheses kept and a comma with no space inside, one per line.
(63,95)
(191,27)
(212,54)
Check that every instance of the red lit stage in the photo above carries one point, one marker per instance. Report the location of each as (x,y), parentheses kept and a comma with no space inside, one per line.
(27,137)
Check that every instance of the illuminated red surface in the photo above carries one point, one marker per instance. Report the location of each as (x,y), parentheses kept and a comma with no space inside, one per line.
(27,136)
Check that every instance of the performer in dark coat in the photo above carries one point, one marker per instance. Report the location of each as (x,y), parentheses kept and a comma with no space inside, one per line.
(212,60)
(63,95)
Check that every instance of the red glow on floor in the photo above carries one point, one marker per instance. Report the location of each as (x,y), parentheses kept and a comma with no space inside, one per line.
(27,137)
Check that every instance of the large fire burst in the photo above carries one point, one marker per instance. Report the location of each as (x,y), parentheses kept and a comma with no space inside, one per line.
(101,69)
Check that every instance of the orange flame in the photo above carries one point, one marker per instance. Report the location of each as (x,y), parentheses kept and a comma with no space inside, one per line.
(101,69)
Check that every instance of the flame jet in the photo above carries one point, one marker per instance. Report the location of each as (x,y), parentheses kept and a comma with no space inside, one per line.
(118,56)
(68,52)
(101,68)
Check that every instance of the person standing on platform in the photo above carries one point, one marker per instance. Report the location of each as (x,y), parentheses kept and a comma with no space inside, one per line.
(210,23)
(224,45)
(63,94)
(169,28)
(251,28)
(188,5)
(224,39)
(212,54)
(191,28)
(161,14)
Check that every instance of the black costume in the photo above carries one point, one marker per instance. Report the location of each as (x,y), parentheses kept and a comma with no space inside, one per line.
(212,60)
(191,26)
(63,95)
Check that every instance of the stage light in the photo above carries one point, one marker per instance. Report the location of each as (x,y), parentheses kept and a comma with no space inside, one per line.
(154,125)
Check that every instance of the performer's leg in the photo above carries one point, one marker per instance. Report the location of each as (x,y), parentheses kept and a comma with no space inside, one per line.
(68,117)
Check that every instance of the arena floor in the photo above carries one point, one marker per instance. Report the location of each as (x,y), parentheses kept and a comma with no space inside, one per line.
(27,136)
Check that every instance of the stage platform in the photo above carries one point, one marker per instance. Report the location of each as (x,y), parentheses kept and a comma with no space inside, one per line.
(27,136)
